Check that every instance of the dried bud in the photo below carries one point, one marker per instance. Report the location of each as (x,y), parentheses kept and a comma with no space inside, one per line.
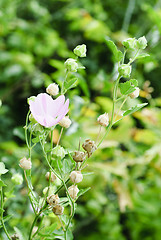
(141,43)
(135,94)
(89,146)
(53,177)
(53,199)
(58,209)
(71,65)
(15,236)
(103,120)
(65,122)
(124,70)
(73,191)
(80,50)
(17,179)
(25,163)
(79,156)
(53,89)
(129,43)
(76,176)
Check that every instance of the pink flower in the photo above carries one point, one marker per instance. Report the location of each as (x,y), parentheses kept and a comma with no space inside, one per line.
(46,111)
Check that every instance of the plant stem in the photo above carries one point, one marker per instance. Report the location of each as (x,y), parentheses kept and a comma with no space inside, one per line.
(3,225)
(33,224)
(120,107)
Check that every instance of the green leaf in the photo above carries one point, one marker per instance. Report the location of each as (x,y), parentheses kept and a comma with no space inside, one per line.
(67,166)
(128,87)
(143,55)
(19,233)
(71,84)
(2,184)
(118,55)
(45,232)
(82,191)
(2,168)
(6,218)
(134,109)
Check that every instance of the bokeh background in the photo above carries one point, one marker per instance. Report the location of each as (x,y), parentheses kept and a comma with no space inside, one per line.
(36,37)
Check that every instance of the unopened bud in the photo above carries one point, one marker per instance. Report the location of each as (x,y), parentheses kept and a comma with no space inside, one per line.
(125,70)
(79,156)
(71,65)
(17,179)
(32,98)
(103,120)
(129,43)
(76,176)
(32,119)
(135,94)
(89,146)
(58,152)
(58,209)
(141,43)
(53,199)
(53,89)
(80,50)
(73,191)
(52,177)
(65,122)
(25,163)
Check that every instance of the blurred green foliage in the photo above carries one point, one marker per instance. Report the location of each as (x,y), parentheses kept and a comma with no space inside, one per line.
(36,37)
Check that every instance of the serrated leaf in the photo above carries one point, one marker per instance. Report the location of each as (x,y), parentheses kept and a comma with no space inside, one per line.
(71,84)
(2,184)
(118,55)
(134,109)
(82,191)
(2,168)
(143,55)
(128,86)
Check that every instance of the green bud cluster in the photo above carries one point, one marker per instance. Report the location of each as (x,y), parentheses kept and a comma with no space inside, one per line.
(80,50)
(124,70)
(71,65)
(132,43)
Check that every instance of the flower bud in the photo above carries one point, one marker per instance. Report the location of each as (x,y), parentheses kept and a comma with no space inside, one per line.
(59,152)
(79,156)
(52,178)
(103,120)
(52,89)
(80,50)
(141,43)
(58,209)
(32,98)
(135,94)
(25,163)
(73,191)
(89,146)
(129,43)
(53,199)
(71,65)
(65,122)
(17,179)
(124,70)
(76,176)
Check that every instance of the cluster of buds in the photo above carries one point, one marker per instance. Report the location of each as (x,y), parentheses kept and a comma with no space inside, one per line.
(103,120)
(89,146)
(50,175)
(53,201)
(52,89)
(71,65)
(65,122)
(76,176)
(25,163)
(73,191)
(79,156)
(132,43)
(135,94)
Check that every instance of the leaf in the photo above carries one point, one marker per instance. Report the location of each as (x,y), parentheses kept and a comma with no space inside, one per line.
(47,231)
(71,84)
(134,109)
(143,55)
(83,191)
(19,233)
(2,184)
(67,166)
(6,218)
(118,55)
(128,86)
(2,168)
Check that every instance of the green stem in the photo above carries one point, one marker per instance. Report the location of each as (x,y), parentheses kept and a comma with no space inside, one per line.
(121,107)
(33,224)
(3,225)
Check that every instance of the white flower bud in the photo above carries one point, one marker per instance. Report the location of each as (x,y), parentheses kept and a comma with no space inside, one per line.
(73,191)
(53,89)
(135,94)
(71,65)
(25,163)
(53,199)
(80,50)
(17,179)
(65,122)
(141,43)
(58,209)
(76,176)
(129,43)
(125,70)
(79,156)
(89,146)
(53,177)
(103,120)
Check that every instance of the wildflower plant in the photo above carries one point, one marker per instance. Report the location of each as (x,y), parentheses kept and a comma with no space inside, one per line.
(65,165)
